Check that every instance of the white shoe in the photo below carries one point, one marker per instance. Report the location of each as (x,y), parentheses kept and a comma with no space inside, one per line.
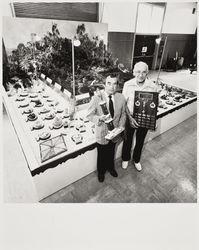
(138,166)
(125,164)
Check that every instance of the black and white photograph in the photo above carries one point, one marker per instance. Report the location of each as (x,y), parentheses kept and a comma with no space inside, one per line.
(99,106)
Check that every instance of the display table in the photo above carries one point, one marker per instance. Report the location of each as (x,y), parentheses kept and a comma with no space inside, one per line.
(173,109)
(76,160)
(65,168)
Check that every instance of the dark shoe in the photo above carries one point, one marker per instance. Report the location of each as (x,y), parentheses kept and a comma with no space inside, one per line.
(100,178)
(113,173)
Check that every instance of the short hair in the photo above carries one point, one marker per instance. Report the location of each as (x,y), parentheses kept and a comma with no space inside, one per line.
(94,87)
(140,64)
(113,75)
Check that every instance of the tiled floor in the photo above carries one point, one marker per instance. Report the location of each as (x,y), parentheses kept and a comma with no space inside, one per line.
(169,174)
(169,161)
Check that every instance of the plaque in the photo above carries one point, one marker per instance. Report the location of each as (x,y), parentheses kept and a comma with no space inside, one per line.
(48,80)
(77,138)
(42,76)
(145,109)
(57,86)
(52,147)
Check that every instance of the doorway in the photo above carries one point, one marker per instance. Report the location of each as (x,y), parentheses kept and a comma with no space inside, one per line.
(144,49)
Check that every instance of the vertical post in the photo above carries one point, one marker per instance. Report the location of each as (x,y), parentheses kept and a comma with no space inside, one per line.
(158,46)
(73,66)
(33,40)
(12,9)
(134,36)
(161,59)
(101,37)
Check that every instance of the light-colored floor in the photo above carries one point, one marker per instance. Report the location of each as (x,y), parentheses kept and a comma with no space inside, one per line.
(19,187)
(169,174)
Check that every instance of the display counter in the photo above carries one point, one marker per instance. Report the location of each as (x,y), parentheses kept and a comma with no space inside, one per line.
(60,150)
(175,106)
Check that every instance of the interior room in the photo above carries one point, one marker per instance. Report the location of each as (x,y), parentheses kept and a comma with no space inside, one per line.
(54,55)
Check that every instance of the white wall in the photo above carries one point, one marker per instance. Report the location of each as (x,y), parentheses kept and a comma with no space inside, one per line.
(179,18)
(6,8)
(120,16)
(149,19)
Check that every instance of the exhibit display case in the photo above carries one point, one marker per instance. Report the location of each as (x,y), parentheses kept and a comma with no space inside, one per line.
(50,138)
(60,149)
(173,98)
(175,106)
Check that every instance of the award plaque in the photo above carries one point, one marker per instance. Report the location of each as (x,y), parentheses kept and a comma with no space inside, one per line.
(145,109)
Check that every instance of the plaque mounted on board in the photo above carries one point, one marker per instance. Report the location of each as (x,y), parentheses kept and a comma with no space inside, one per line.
(145,109)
